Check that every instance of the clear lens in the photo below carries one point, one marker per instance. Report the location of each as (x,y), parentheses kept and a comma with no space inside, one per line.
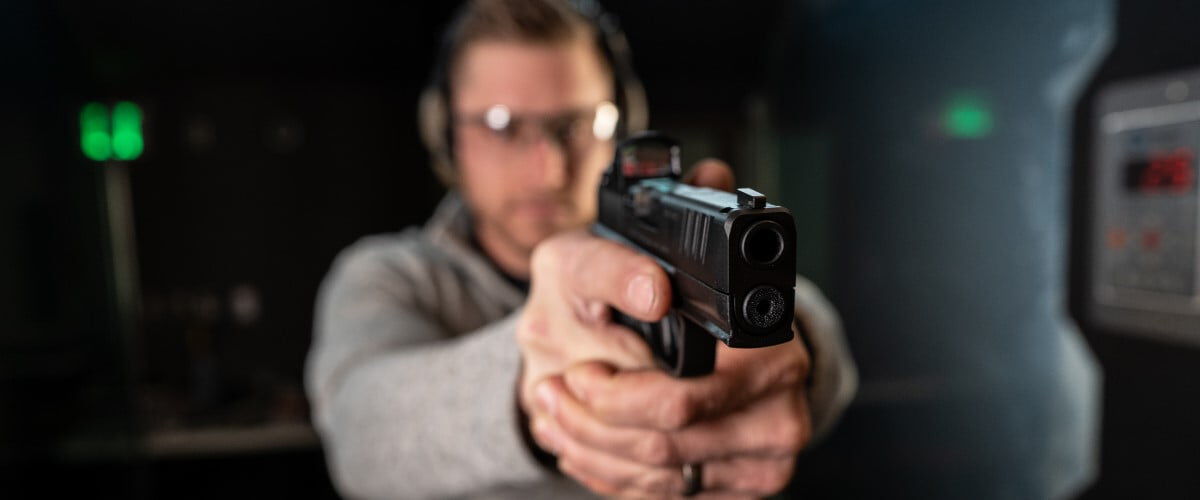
(605,123)
(575,131)
(497,117)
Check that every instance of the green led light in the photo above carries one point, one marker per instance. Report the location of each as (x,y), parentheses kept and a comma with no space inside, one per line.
(94,137)
(967,117)
(127,141)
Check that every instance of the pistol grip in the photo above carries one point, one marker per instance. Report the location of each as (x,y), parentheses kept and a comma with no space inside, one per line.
(680,346)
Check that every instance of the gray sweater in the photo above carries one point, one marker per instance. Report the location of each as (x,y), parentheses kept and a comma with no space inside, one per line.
(413,369)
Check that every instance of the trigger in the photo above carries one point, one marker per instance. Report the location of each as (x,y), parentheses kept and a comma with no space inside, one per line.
(671,326)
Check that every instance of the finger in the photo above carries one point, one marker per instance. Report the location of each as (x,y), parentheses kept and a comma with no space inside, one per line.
(644,446)
(598,270)
(607,472)
(726,479)
(748,476)
(784,363)
(723,495)
(712,173)
(653,399)
(777,426)
(589,481)
(545,437)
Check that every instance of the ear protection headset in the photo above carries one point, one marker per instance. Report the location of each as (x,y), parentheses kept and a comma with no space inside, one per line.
(434,110)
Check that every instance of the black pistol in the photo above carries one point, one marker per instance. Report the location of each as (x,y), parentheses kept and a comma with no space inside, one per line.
(731,257)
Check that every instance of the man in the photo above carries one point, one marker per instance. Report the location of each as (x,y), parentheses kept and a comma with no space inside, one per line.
(474,357)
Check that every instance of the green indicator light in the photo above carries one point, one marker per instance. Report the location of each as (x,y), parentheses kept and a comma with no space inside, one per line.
(94,138)
(127,141)
(967,117)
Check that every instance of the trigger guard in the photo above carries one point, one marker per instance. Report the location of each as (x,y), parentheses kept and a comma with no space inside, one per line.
(695,350)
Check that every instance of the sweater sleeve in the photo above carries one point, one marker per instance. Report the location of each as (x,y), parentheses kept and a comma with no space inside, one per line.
(834,377)
(403,409)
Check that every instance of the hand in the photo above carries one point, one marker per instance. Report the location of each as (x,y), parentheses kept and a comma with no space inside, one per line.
(628,432)
(575,277)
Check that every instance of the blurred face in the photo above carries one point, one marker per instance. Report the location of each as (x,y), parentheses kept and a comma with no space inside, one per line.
(527,147)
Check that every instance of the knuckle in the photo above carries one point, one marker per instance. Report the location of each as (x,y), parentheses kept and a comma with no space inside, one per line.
(569,450)
(541,257)
(677,411)
(547,256)
(605,404)
(656,482)
(532,329)
(599,487)
(749,481)
(569,425)
(794,370)
(657,449)
(768,480)
(793,436)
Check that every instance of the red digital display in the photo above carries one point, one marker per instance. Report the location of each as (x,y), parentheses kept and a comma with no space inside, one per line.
(1166,173)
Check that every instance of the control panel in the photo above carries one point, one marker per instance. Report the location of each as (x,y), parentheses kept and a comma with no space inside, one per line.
(1144,221)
